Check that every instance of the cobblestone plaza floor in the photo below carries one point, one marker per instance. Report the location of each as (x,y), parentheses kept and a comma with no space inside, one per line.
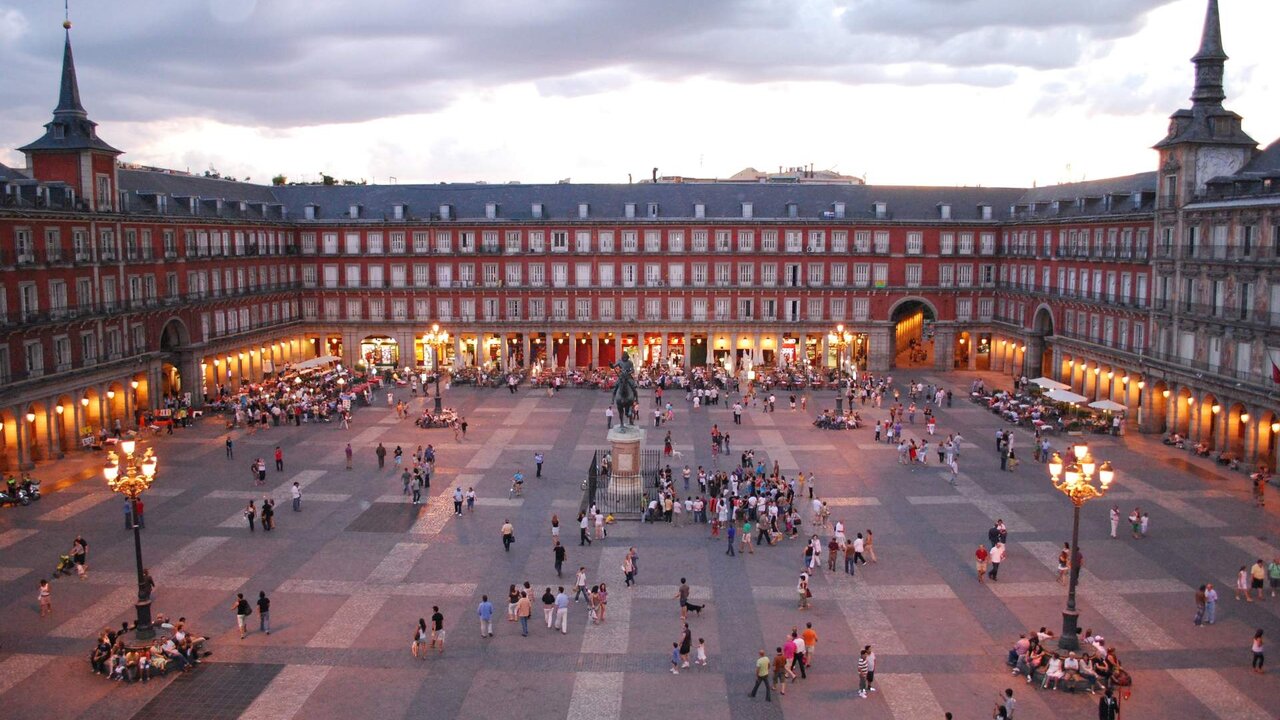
(350,575)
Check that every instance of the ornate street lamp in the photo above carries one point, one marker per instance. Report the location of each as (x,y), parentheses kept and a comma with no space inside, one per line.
(1075,480)
(842,340)
(436,339)
(131,478)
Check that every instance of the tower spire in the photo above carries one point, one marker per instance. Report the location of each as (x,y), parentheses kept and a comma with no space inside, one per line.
(69,93)
(1210,61)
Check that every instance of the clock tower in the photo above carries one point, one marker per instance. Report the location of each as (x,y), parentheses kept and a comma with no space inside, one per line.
(1206,140)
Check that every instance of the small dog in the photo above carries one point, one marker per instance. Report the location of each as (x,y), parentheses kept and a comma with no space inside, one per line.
(676,454)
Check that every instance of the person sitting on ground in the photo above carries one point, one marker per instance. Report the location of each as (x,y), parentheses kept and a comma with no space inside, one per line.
(1071,668)
(1034,662)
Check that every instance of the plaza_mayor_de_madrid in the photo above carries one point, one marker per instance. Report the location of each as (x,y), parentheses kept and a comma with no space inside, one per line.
(1160,290)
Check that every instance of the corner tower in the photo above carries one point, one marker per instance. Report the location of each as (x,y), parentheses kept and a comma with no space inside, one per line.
(1206,140)
(70,150)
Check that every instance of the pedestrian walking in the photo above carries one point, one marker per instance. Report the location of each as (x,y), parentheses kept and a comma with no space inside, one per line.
(250,513)
(730,532)
(869,548)
(562,611)
(1200,606)
(996,557)
(1210,603)
(419,640)
(268,514)
(128,514)
(580,585)
(1242,583)
(1257,648)
(871,668)
(348,453)
(583,524)
(1108,706)
(802,589)
(762,676)
(242,611)
(296,491)
(508,535)
(537,461)
(279,459)
(264,612)
(80,556)
(230,449)
(675,658)
(628,571)
(46,598)
(437,629)
(457,501)
(381,453)
(559,554)
(549,608)
(1115,520)
(864,669)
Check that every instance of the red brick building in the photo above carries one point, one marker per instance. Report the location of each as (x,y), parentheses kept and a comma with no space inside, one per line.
(119,285)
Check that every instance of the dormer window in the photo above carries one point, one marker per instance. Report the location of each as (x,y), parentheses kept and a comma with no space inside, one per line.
(309,212)
(584,211)
(491,211)
(882,210)
(699,210)
(984,211)
(653,209)
(59,132)
(747,211)
(944,211)
(446,212)
(353,212)
(793,210)
(537,210)
(397,211)
(629,211)
(839,209)
(1057,206)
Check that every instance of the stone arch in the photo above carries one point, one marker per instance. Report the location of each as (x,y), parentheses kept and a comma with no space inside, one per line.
(1268,429)
(174,336)
(1160,406)
(1210,421)
(1038,354)
(1236,419)
(910,315)
(64,428)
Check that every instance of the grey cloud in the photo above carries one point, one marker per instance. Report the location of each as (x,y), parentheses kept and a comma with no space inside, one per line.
(283,63)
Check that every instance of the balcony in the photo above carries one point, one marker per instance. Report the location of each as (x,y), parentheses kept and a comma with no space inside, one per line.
(1262,382)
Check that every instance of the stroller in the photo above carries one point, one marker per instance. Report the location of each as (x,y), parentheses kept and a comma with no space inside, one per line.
(65,566)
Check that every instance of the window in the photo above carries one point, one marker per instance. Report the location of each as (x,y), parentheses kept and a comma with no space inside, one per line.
(606,275)
(652,241)
(861,274)
(630,241)
(605,239)
(880,275)
(582,308)
(559,275)
(699,241)
(746,309)
(490,271)
(769,241)
(946,275)
(915,243)
(914,273)
(746,274)
(840,241)
(444,275)
(964,309)
(675,241)
(33,350)
(582,275)
(723,271)
(815,274)
(699,274)
(882,242)
(675,308)
(769,274)
(699,308)
(817,241)
(514,274)
(946,243)
(986,307)
(861,309)
(722,241)
(537,275)
(675,274)
(629,309)
(839,274)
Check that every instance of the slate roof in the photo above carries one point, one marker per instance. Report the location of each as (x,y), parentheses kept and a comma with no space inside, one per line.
(675,201)
(183,185)
(1125,185)
(1265,164)
(8,173)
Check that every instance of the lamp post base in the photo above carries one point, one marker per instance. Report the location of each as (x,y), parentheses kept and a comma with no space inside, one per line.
(144,633)
(439,406)
(839,405)
(1070,638)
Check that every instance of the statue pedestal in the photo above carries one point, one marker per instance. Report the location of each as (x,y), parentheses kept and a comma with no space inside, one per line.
(626,480)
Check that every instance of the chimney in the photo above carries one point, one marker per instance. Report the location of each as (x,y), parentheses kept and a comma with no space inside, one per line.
(655,175)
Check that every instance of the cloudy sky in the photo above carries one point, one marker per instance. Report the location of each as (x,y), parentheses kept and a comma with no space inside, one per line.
(989,92)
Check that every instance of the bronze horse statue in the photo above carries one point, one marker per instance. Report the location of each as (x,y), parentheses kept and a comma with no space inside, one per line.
(624,392)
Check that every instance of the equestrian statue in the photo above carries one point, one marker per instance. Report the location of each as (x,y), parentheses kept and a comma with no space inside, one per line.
(624,392)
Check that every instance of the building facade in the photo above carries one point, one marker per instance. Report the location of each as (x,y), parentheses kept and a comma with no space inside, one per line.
(119,285)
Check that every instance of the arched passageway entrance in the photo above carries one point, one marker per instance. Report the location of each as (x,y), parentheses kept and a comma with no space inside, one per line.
(913,320)
(1039,355)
